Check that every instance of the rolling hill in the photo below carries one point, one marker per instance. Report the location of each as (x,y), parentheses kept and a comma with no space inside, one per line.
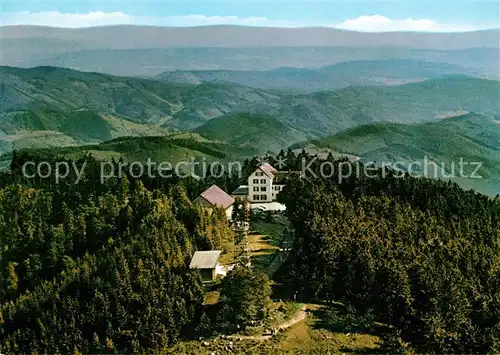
(254,133)
(471,137)
(334,111)
(84,108)
(353,73)
(139,100)
(171,148)
(47,106)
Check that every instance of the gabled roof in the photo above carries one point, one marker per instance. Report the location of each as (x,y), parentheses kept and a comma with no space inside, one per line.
(205,259)
(217,197)
(268,169)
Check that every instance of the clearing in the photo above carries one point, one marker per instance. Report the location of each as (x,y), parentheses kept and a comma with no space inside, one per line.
(306,333)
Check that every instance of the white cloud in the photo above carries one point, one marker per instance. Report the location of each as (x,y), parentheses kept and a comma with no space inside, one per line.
(99,18)
(57,19)
(379,23)
(374,23)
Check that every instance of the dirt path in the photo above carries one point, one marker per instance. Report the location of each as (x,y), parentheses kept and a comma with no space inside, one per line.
(299,316)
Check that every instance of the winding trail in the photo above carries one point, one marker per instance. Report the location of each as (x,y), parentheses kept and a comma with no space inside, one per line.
(299,316)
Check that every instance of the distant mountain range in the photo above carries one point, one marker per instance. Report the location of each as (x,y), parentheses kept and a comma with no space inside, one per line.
(52,106)
(125,36)
(353,73)
(147,51)
(470,137)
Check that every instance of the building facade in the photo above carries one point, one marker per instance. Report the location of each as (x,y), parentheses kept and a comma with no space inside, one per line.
(264,184)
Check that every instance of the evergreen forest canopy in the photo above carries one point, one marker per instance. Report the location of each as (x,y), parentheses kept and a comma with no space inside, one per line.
(94,268)
(420,255)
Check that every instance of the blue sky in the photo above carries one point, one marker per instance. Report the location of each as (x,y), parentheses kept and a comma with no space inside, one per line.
(355,15)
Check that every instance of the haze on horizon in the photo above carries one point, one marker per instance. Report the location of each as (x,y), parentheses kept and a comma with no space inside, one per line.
(366,16)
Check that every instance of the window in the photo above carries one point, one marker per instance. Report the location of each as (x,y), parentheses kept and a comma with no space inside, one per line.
(263,197)
(258,173)
(262,181)
(255,189)
(255,181)
(263,188)
(256,197)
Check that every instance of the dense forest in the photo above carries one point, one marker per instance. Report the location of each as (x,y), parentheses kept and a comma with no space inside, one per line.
(417,254)
(103,267)
(93,268)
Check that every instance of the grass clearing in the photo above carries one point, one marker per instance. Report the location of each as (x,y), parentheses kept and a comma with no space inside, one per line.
(262,251)
(274,231)
(259,243)
(308,336)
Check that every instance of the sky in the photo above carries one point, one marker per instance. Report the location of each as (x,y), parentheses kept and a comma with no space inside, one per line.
(368,16)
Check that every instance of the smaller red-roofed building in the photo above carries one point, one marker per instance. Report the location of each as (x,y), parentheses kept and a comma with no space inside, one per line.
(215,196)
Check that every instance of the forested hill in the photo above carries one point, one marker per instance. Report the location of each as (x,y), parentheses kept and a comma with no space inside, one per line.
(470,137)
(95,267)
(253,133)
(47,106)
(171,148)
(98,268)
(410,103)
(45,90)
(420,255)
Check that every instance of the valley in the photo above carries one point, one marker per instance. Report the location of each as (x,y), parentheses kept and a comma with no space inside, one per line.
(470,138)
(91,107)
(57,109)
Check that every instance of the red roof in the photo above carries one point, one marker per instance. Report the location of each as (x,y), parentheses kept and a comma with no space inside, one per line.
(268,169)
(217,197)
